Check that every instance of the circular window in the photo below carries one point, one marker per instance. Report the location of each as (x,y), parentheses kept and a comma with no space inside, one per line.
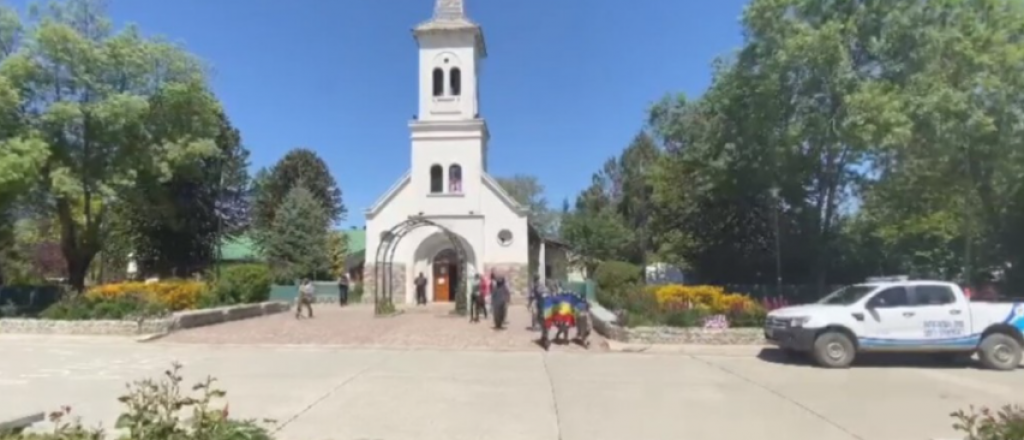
(505,237)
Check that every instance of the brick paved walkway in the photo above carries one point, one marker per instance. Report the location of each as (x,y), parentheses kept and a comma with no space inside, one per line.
(419,327)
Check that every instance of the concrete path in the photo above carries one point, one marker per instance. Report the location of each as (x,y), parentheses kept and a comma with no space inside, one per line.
(320,393)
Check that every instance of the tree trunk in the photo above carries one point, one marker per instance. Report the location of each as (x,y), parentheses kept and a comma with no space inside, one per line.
(78,268)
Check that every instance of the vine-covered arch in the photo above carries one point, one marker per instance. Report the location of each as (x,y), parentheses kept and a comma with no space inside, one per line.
(383,292)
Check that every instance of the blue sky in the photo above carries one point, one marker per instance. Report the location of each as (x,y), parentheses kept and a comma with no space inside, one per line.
(565,86)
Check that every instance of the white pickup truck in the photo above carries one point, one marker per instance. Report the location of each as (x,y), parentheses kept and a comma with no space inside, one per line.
(900,316)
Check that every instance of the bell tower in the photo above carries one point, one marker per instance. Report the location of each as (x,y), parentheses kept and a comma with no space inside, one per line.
(451,47)
(449,137)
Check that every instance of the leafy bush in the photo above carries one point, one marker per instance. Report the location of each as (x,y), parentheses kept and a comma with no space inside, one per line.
(174,294)
(616,275)
(154,410)
(243,284)
(615,281)
(127,306)
(355,294)
(985,424)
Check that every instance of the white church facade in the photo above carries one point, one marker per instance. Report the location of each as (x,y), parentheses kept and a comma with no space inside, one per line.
(447,183)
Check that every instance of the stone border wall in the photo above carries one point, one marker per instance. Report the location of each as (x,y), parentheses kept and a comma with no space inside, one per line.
(398,292)
(516,274)
(177,321)
(606,324)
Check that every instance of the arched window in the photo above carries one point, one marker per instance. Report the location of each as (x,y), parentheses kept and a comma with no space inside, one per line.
(455,81)
(438,82)
(455,179)
(436,179)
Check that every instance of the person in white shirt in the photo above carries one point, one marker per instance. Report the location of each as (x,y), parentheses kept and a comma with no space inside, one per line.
(305,299)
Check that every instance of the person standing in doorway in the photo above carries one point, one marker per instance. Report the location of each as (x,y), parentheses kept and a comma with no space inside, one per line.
(305,299)
(343,289)
(421,290)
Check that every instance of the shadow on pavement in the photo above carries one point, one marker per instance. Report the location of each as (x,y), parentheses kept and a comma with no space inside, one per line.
(876,360)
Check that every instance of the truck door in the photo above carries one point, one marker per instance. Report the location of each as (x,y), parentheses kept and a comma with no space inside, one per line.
(942,317)
(888,319)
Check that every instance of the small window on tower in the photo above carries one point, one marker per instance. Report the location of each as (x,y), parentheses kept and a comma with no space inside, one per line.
(455,77)
(436,179)
(438,81)
(455,179)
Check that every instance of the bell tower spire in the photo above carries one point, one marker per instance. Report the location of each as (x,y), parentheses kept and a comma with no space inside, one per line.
(451,50)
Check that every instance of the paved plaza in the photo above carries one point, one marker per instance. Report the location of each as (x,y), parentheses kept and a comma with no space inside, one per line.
(317,392)
(430,327)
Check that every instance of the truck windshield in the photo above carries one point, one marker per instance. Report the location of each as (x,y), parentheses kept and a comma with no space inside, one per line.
(847,295)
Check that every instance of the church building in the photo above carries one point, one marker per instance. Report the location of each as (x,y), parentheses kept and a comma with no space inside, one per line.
(448,186)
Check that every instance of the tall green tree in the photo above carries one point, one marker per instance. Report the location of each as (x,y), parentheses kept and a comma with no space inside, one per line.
(103,106)
(177,225)
(297,243)
(847,138)
(299,167)
(595,237)
(529,192)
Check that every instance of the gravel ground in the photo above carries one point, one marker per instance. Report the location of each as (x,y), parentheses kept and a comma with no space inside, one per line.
(418,327)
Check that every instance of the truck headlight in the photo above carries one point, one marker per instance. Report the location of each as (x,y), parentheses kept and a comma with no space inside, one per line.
(799,321)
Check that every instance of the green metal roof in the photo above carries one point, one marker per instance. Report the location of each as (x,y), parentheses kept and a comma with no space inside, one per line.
(243,248)
(239,249)
(356,240)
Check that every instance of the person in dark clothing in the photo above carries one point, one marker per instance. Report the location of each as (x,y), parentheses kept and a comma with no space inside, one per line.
(534,305)
(499,303)
(476,301)
(343,289)
(421,290)
(484,286)
(583,325)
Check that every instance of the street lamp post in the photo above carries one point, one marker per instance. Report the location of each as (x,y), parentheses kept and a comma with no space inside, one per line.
(778,241)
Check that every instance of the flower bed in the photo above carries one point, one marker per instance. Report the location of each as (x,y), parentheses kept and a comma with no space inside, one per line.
(242,284)
(679,314)
(675,305)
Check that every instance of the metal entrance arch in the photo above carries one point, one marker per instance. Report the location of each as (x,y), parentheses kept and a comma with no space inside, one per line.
(383,291)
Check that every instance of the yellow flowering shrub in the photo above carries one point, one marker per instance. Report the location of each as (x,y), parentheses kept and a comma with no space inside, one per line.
(174,294)
(713,299)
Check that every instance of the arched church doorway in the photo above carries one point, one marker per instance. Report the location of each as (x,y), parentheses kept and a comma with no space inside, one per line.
(446,275)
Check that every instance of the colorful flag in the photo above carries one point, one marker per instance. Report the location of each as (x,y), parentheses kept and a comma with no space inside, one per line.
(561,309)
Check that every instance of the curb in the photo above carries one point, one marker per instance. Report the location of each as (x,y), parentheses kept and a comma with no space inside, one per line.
(693,350)
(151,337)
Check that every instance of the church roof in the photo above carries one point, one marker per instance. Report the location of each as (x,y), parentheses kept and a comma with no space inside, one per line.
(450,15)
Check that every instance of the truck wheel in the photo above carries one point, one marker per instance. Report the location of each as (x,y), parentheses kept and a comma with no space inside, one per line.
(999,352)
(833,350)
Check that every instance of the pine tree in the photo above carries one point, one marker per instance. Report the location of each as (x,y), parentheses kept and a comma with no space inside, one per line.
(297,243)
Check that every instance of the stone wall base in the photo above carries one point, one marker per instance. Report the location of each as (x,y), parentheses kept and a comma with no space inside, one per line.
(177,321)
(606,324)
(516,274)
(397,283)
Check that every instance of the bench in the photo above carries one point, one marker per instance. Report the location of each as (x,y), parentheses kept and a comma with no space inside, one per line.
(18,424)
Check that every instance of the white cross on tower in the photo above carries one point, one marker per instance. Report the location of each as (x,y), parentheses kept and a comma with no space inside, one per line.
(449,10)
